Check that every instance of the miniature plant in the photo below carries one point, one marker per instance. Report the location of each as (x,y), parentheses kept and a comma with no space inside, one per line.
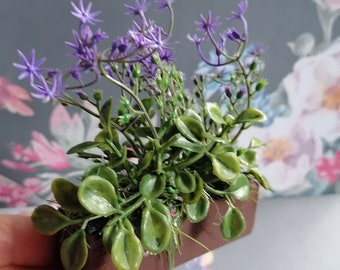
(166,152)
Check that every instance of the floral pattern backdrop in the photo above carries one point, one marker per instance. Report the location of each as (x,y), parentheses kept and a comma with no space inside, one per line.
(302,132)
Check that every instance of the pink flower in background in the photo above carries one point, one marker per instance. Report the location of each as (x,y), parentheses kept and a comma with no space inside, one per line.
(40,152)
(314,83)
(15,195)
(12,98)
(332,4)
(329,169)
(289,154)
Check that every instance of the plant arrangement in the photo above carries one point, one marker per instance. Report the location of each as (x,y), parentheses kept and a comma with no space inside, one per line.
(165,153)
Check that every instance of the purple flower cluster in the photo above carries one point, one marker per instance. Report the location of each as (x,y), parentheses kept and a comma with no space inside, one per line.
(145,43)
(208,25)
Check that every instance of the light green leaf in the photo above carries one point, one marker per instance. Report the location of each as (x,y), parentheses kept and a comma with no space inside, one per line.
(98,196)
(127,250)
(233,223)
(198,211)
(226,166)
(250,115)
(240,189)
(155,230)
(152,186)
(214,112)
(73,251)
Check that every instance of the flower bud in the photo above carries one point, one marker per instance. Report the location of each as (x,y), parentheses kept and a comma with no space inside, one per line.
(227,91)
(240,93)
(260,85)
(98,95)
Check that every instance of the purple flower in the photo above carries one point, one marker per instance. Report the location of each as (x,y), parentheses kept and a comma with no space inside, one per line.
(29,67)
(139,8)
(242,8)
(47,92)
(164,3)
(85,15)
(234,35)
(207,24)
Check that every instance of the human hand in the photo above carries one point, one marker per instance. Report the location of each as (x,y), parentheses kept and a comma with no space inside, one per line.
(23,248)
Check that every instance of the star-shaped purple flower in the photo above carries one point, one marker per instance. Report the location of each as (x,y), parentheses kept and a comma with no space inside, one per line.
(29,67)
(85,15)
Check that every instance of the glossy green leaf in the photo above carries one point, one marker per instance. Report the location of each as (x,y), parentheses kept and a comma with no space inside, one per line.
(127,251)
(226,166)
(248,157)
(108,233)
(155,230)
(103,171)
(84,146)
(260,178)
(196,147)
(185,130)
(233,223)
(185,181)
(240,189)
(195,126)
(98,196)
(198,211)
(65,194)
(195,195)
(74,251)
(250,115)
(214,112)
(48,220)
(151,186)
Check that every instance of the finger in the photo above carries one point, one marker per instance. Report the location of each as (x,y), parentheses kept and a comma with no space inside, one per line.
(22,245)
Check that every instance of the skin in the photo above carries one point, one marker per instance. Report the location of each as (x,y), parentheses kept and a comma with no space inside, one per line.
(22,247)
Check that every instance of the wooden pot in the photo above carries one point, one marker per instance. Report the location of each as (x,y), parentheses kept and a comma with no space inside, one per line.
(207,232)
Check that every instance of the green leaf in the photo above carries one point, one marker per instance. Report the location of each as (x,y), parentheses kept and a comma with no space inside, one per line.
(127,251)
(250,115)
(233,223)
(65,194)
(248,157)
(226,166)
(108,233)
(260,178)
(185,181)
(84,146)
(155,230)
(196,147)
(185,130)
(255,143)
(152,186)
(240,189)
(106,114)
(103,171)
(198,211)
(73,251)
(195,195)
(195,126)
(98,196)
(214,112)
(48,220)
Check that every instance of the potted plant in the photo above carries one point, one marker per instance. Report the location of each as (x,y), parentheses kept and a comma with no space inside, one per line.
(166,154)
